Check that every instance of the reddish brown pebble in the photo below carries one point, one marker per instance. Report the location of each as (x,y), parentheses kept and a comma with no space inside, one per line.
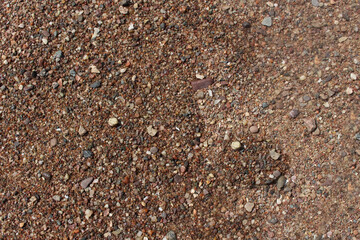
(202,83)
(86,182)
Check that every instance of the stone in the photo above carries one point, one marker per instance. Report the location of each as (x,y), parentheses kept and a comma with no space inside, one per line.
(113,122)
(246,25)
(58,54)
(294,113)
(153,150)
(95,34)
(170,236)
(235,145)
(249,206)
(82,131)
(349,91)
(281,182)
(151,131)
(353,76)
(310,124)
(315,3)
(88,154)
(53,142)
(201,83)
(88,213)
(267,21)
(276,173)
(94,69)
(96,84)
(86,182)
(254,129)
(342,39)
(56,198)
(274,155)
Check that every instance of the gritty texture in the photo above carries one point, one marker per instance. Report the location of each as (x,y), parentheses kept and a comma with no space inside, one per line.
(184,80)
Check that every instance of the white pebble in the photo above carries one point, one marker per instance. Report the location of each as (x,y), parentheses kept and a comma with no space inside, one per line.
(353,76)
(113,122)
(349,91)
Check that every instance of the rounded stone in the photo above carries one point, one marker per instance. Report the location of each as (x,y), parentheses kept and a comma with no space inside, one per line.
(254,129)
(235,145)
(113,122)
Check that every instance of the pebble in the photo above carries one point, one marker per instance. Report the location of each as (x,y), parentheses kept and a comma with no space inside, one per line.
(281,182)
(315,3)
(170,236)
(96,33)
(56,198)
(276,173)
(265,105)
(82,131)
(342,39)
(273,220)
(113,122)
(88,154)
(357,136)
(246,25)
(274,155)
(235,145)
(88,213)
(249,206)
(310,123)
(294,113)
(254,129)
(86,182)
(306,98)
(267,21)
(96,84)
(353,76)
(153,150)
(349,91)
(53,142)
(94,69)
(58,54)
(151,131)
(302,78)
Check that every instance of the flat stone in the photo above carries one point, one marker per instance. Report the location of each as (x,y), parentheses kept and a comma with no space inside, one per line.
(349,91)
(281,182)
(94,69)
(276,173)
(274,155)
(202,83)
(342,39)
(267,21)
(113,122)
(96,84)
(153,150)
(353,76)
(59,54)
(310,124)
(249,206)
(82,131)
(86,182)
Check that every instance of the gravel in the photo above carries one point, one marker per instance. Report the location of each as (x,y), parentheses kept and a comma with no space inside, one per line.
(186,79)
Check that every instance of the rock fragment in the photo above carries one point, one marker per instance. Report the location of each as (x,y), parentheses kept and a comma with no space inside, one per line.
(274,155)
(151,131)
(113,122)
(235,145)
(267,21)
(254,129)
(294,113)
(82,131)
(249,206)
(281,182)
(86,182)
(310,124)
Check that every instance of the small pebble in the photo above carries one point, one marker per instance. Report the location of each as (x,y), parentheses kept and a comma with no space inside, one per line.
(267,22)
(153,150)
(86,182)
(113,122)
(310,123)
(151,131)
(274,155)
(53,142)
(303,77)
(265,105)
(281,182)
(349,91)
(249,206)
(353,76)
(276,174)
(315,3)
(88,213)
(56,198)
(235,145)
(294,113)
(96,84)
(170,236)
(254,129)
(246,25)
(87,154)
(82,131)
